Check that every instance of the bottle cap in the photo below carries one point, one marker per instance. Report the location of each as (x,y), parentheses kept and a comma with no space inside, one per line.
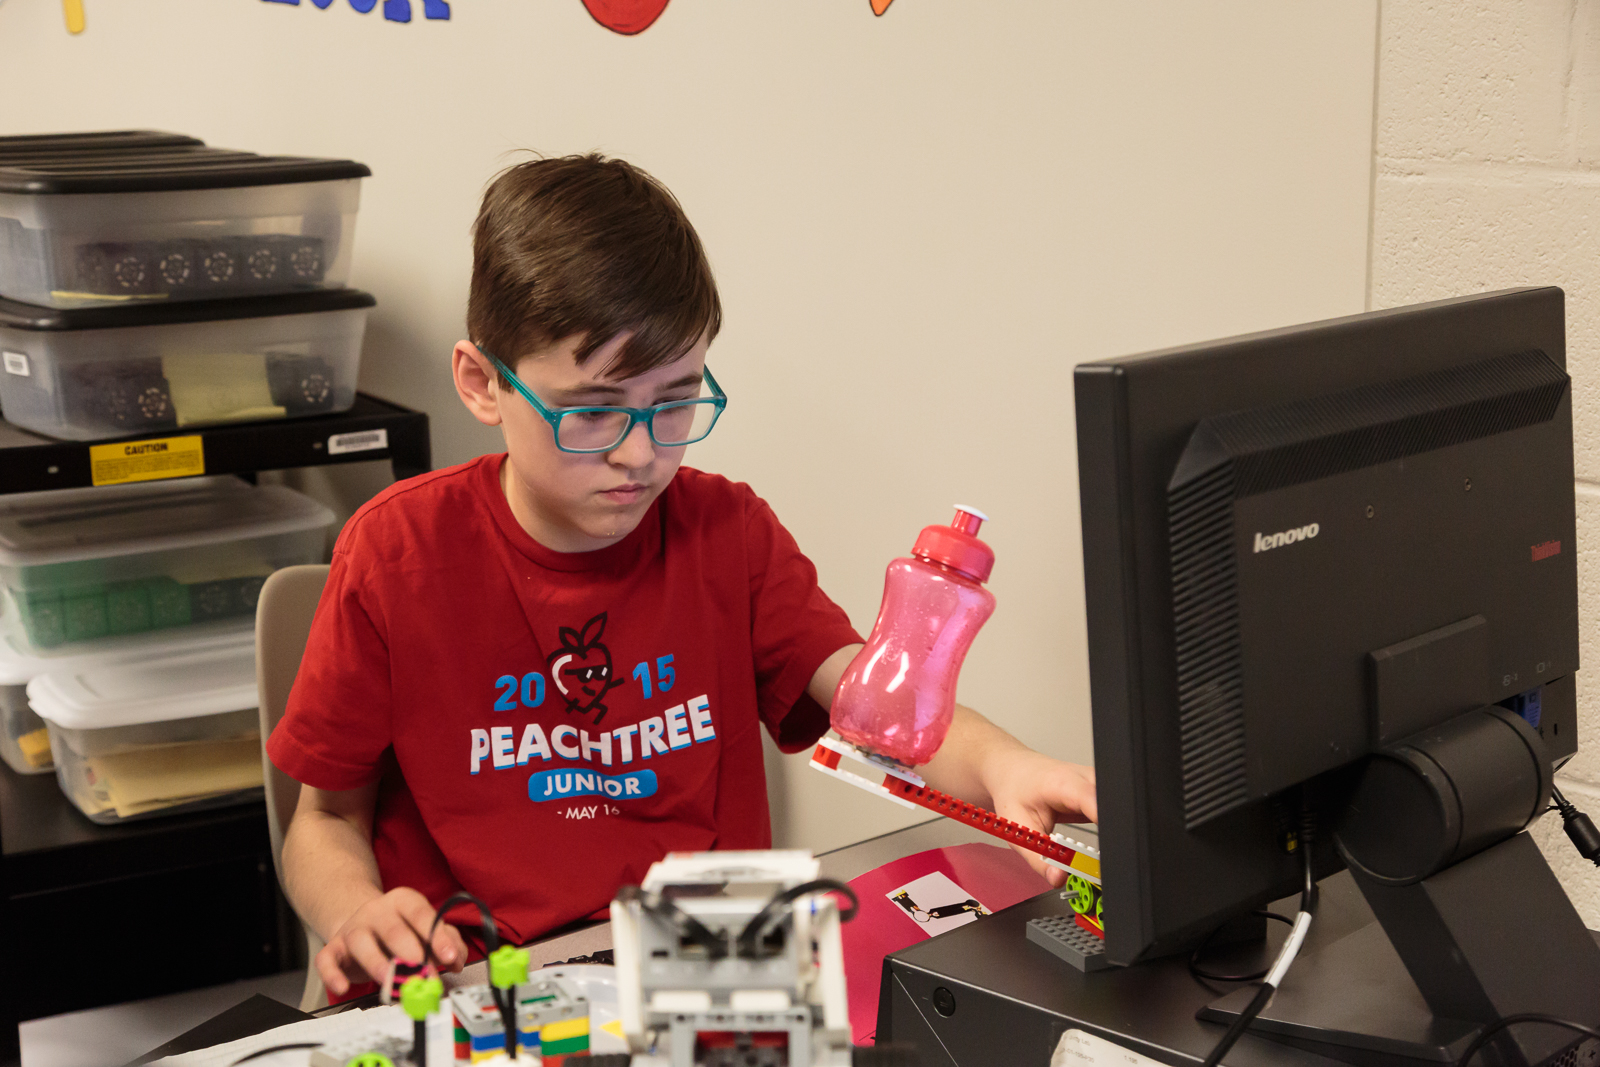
(957,546)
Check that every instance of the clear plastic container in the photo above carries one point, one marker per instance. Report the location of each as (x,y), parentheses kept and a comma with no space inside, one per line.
(92,373)
(84,228)
(24,744)
(88,570)
(157,735)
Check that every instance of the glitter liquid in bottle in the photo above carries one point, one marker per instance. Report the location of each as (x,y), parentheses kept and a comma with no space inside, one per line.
(898,696)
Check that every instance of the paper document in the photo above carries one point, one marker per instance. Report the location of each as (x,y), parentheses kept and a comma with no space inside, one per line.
(1079,1049)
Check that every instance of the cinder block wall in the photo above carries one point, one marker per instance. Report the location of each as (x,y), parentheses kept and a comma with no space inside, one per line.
(1487,176)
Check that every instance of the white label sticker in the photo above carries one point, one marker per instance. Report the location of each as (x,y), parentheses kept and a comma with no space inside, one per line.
(17,363)
(1079,1049)
(361,441)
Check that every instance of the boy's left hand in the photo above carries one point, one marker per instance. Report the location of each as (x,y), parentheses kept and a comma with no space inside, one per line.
(1038,792)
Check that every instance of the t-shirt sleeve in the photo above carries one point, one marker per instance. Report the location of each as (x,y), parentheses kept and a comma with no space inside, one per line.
(794,628)
(338,723)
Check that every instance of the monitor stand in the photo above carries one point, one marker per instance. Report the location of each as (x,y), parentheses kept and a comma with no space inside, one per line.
(1491,936)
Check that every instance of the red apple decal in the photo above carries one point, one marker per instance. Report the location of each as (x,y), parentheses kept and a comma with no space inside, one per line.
(625,16)
(581,668)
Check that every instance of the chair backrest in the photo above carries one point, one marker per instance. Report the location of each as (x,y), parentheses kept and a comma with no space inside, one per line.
(283,623)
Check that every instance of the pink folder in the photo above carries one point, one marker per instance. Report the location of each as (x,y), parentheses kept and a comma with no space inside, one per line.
(996,876)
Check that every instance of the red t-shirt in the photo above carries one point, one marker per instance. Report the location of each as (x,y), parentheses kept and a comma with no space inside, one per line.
(545,725)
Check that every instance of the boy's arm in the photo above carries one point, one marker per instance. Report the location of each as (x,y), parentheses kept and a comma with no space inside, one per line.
(984,765)
(332,880)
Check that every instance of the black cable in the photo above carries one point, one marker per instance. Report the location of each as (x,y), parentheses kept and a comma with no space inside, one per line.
(1580,829)
(1253,976)
(260,1052)
(1521,1017)
(667,912)
(754,930)
(1286,955)
(504,1001)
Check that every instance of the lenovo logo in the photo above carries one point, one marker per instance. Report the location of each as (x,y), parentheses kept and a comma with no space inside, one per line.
(1267,542)
(1546,550)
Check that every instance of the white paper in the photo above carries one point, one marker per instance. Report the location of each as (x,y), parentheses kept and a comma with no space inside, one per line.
(936,904)
(1079,1049)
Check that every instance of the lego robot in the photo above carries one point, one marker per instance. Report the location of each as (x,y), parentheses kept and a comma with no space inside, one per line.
(728,958)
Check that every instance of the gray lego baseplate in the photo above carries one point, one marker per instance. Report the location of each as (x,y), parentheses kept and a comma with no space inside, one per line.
(1060,935)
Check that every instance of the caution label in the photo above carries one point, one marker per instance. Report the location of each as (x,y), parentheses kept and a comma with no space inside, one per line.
(146,461)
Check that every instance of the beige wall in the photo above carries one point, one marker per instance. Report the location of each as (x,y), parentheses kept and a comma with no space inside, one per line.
(920,223)
(1487,148)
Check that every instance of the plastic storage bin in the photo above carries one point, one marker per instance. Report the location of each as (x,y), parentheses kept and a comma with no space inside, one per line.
(89,373)
(24,744)
(95,569)
(49,146)
(157,735)
(93,228)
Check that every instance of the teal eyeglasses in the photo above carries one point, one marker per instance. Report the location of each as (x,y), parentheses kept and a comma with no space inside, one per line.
(600,429)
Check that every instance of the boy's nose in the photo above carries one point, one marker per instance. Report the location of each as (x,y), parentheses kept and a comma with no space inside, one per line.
(636,449)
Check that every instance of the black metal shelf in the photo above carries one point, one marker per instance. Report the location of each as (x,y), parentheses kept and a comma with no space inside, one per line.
(29,462)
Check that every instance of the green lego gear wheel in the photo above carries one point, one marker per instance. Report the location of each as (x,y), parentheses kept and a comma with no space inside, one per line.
(1082,891)
(370,1059)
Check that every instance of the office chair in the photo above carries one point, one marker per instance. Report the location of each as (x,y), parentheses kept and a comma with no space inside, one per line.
(283,622)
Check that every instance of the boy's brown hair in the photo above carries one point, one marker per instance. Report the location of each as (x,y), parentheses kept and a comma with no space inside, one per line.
(588,246)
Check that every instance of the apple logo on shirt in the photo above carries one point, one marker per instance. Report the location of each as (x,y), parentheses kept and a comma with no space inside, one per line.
(581,668)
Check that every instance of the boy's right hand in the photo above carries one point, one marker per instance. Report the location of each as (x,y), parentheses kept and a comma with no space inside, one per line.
(391,926)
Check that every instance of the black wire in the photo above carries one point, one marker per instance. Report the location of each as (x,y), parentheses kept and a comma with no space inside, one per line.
(260,1052)
(754,930)
(1308,905)
(504,1001)
(1521,1017)
(665,911)
(1253,976)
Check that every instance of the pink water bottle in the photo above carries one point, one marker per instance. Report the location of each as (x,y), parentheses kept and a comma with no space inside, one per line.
(898,695)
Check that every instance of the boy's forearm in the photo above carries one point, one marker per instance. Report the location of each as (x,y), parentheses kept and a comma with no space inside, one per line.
(972,751)
(329,870)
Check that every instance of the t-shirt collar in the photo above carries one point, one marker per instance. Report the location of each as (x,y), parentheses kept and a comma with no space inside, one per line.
(642,538)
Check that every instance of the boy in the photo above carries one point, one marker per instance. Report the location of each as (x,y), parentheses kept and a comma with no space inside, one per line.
(533,674)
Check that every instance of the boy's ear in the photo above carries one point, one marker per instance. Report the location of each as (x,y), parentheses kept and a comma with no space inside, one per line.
(476,383)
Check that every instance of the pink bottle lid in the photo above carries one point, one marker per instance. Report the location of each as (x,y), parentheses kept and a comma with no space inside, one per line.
(956,546)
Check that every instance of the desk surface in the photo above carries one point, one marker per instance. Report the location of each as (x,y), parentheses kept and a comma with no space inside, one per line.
(841,863)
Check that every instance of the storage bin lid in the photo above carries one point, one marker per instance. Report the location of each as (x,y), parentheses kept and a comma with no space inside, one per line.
(101,141)
(19,667)
(121,520)
(180,685)
(175,172)
(19,316)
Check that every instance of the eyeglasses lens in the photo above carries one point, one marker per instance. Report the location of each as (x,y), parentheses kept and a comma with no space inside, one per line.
(682,424)
(674,424)
(592,429)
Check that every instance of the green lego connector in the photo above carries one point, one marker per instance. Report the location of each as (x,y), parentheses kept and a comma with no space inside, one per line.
(419,996)
(508,967)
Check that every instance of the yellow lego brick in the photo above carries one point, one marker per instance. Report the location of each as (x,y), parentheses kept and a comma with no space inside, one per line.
(480,1055)
(1087,864)
(560,1031)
